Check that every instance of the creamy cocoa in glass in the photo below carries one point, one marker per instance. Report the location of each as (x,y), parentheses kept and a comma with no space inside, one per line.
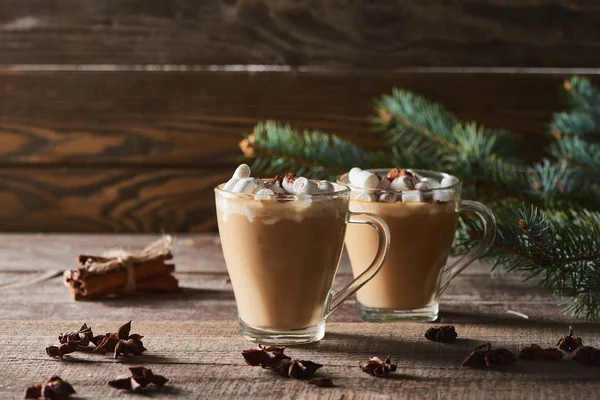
(282,240)
(421,209)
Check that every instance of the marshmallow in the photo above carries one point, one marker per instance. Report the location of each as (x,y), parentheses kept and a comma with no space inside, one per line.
(304,186)
(243,171)
(246,185)
(449,180)
(384,183)
(411,171)
(388,197)
(412,196)
(443,195)
(352,175)
(363,179)
(365,196)
(230,184)
(265,194)
(275,187)
(288,183)
(424,185)
(326,187)
(259,183)
(404,182)
(431,183)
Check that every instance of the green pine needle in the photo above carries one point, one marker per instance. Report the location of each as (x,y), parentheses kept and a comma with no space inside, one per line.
(581,95)
(574,123)
(279,148)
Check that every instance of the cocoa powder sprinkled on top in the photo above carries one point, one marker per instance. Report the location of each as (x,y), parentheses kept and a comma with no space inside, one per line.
(290,177)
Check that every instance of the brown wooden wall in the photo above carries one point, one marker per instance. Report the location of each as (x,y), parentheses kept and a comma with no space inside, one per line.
(121,115)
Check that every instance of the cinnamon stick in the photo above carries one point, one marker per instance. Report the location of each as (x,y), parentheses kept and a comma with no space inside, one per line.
(103,276)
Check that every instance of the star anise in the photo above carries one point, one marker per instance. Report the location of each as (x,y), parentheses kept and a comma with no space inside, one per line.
(297,369)
(570,342)
(83,336)
(140,377)
(484,357)
(534,352)
(71,341)
(265,357)
(444,334)
(587,355)
(379,368)
(321,382)
(120,342)
(274,359)
(53,388)
(60,351)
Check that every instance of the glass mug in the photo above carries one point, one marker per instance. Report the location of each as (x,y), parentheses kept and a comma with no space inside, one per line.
(415,273)
(282,256)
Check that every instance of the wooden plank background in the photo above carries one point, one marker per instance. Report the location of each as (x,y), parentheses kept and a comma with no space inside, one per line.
(121,116)
(340,33)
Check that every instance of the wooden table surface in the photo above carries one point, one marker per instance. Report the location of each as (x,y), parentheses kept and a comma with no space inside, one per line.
(192,336)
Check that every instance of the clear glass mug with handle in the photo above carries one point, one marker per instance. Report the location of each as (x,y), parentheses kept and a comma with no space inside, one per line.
(422,225)
(282,256)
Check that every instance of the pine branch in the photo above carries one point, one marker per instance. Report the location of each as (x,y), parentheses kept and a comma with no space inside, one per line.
(578,153)
(581,95)
(560,249)
(574,123)
(412,120)
(279,148)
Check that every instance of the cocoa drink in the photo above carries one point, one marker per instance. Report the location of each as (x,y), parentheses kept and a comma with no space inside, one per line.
(421,209)
(282,240)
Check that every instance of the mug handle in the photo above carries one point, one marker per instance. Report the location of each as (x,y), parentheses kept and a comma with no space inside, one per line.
(489,234)
(335,299)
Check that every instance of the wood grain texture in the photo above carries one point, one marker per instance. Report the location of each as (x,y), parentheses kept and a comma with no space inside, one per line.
(203,361)
(191,119)
(108,199)
(31,291)
(192,337)
(141,151)
(28,298)
(357,34)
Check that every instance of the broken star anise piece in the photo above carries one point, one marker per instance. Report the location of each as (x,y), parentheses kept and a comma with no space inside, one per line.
(443,334)
(53,388)
(321,382)
(570,342)
(297,369)
(140,378)
(71,341)
(120,342)
(484,357)
(534,352)
(274,359)
(379,368)
(82,337)
(587,355)
(265,357)
(60,351)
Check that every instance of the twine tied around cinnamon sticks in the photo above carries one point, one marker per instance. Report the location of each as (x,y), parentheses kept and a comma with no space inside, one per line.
(121,272)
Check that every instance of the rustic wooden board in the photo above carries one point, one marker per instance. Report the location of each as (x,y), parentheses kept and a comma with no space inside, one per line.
(29,253)
(141,151)
(29,296)
(192,336)
(108,199)
(203,360)
(189,119)
(365,34)
(31,284)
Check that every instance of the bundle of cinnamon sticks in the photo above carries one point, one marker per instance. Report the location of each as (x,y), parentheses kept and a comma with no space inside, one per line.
(120,272)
